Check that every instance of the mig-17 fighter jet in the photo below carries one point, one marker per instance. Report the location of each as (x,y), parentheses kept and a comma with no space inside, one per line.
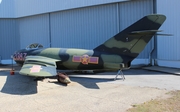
(116,53)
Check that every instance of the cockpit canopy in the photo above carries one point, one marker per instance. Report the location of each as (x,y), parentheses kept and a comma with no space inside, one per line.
(34,46)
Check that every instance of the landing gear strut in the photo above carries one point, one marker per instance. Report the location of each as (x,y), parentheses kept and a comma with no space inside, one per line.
(63,78)
(119,73)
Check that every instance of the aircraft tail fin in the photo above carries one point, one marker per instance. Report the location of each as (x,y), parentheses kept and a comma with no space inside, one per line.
(132,40)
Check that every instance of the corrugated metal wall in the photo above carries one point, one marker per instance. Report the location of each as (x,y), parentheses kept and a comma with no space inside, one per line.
(7,9)
(24,7)
(85,27)
(9,41)
(34,29)
(169,46)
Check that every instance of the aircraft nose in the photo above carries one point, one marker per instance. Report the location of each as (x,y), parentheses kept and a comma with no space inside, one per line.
(15,55)
(19,56)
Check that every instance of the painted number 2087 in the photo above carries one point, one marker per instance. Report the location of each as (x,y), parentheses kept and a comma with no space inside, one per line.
(19,56)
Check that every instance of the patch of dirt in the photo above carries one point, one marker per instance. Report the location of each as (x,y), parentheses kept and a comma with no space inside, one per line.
(169,103)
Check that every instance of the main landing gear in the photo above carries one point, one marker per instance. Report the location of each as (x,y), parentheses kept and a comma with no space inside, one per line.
(120,73)
(63,78)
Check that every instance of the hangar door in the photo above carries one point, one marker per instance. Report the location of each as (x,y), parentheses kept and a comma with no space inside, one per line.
(83,27)
(34,29)
(9,41)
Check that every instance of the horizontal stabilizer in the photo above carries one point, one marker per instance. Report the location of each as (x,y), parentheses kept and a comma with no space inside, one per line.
(165,34)
(145,32)
(149,32)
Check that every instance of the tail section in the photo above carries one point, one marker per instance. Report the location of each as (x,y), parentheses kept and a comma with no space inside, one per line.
(132,40)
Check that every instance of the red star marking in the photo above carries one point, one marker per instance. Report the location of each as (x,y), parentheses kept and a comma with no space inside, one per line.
(85,59)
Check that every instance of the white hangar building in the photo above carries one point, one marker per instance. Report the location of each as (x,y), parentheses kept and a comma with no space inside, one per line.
(86,24)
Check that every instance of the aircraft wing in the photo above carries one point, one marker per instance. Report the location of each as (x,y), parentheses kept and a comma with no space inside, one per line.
(39,66)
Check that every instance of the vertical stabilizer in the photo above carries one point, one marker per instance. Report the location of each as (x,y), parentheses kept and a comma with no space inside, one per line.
(132,40)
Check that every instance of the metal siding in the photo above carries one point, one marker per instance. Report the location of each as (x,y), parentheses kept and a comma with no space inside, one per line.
(130,12)
(24,7)
(9,41)
(7,9)
(168,46)
(34,29)
(83,28)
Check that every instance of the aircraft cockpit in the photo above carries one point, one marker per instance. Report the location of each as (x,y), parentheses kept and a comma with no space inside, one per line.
(34,46)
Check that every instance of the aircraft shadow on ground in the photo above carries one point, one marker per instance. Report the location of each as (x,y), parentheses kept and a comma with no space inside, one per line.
(18,84)
(90,83)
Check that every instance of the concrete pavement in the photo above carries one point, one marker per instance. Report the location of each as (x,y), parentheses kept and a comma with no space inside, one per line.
(175,71)
(88,92)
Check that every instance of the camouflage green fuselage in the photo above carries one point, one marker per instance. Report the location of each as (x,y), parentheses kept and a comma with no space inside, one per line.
(66,57)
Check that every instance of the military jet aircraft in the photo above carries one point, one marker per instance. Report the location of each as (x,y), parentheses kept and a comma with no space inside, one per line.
(116,53)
